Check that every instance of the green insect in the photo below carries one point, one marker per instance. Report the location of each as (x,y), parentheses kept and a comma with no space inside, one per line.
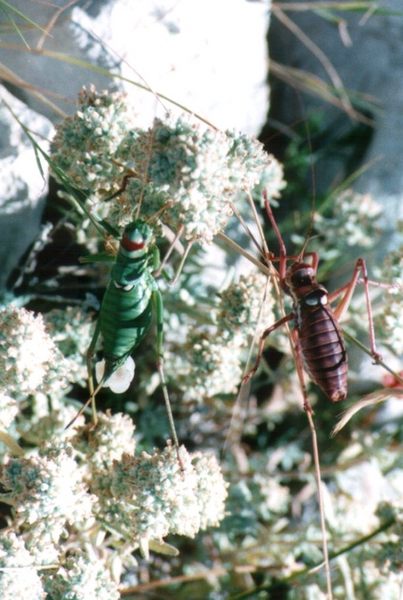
(127,308)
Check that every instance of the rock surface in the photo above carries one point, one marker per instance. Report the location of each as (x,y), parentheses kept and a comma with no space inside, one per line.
(367,54)
(22,186)
(209,56)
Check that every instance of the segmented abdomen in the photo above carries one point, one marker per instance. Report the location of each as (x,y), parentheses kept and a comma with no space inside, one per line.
(125,317)
(323,350)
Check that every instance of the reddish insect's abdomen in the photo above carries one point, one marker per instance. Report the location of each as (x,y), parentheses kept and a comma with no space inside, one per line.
(323,350)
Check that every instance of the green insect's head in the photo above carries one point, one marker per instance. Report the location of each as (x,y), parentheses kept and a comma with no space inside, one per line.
(136,236)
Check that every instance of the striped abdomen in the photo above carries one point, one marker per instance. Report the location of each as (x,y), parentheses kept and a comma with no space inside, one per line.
(323,350)
(125,316)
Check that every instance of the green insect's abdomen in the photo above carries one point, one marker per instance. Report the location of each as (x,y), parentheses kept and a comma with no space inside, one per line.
(125,317)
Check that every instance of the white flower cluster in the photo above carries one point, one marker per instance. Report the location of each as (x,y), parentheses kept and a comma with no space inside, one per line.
(156,494)
(84,147)
(210,362)
(366,490)
(272,498)
(189,172)
(193,174)
(19,577)
(82,576)
(71,330)
(68,494)
(108,441)
(47,489)
(393,322)
(211,489)
(390,321)
(29,359)
(247,305)
(45,423)
(252,167)
(354,220)
(209,366)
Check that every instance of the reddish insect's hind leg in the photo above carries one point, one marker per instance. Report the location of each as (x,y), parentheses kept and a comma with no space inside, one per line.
(342,307)
(262,340)
(300,371)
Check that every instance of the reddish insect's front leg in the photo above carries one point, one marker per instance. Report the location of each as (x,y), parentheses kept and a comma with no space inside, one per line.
(262,340)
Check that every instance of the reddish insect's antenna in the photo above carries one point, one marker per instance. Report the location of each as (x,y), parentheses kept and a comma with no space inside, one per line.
(283,251)
(303,249)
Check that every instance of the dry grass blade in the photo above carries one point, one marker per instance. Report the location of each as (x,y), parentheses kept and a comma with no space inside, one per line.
(349,5)
(367,6)
(52,22)
(369,400)
(322,58)
(14,448)
(308,82)
(341,96)
(83,64)
(210,574)
(8,75)
(9,8)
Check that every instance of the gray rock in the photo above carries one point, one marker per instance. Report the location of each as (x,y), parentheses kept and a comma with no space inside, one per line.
(372,66)
(22,187)
(209,56)
(46,84)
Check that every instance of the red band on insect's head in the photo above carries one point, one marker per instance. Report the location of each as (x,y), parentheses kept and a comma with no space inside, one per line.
(131,246)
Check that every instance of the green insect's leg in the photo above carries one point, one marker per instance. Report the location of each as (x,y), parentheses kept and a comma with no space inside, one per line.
(91,400)
(159,311)
(90,354)
(156,259)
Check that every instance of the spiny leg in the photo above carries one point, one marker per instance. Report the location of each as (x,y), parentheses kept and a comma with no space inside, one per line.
(308,410)
(169,251)
(91,400)
(159,311)
(348,289)
(90,354)
(262,340)
(181,264)
(296,349)
(239,410)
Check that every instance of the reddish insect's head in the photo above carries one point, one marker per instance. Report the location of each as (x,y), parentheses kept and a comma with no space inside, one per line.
(299,279)
(136,236)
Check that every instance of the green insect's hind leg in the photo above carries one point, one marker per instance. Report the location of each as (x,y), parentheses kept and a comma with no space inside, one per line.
(159,311)
(91,400)
(93,393)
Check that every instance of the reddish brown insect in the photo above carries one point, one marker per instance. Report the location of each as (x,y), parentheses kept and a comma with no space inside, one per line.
(317,337)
